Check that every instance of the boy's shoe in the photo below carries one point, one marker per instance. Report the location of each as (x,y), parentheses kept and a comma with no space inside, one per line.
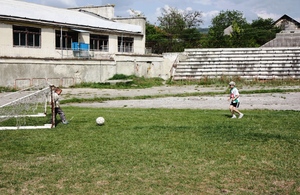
(65,122)
(241,115)
(233,116)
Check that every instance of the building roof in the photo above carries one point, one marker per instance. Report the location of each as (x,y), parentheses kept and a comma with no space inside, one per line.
(40,13)
(288,18)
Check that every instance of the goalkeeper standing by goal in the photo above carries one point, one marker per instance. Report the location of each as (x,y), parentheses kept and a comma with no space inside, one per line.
(58,110)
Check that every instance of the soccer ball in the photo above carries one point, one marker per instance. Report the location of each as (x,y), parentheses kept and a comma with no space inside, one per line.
(100,120)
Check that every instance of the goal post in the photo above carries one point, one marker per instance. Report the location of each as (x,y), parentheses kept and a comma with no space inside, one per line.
(28,109)
(52,105)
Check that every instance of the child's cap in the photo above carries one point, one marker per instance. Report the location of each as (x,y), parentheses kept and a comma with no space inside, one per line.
(232,83)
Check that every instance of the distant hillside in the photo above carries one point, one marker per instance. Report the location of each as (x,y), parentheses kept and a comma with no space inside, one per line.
(203,30)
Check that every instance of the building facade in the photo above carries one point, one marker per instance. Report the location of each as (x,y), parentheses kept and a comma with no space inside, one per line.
(38,31)
(286,23)
(67,46)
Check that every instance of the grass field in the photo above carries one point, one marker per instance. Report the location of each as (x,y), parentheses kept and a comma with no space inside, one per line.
(155,151)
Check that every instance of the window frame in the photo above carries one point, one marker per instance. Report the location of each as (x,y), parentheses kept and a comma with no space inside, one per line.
(68,38)
(25,36)
(125,44)
(99,42)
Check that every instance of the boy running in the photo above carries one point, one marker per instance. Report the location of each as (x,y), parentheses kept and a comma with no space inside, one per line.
(234,100)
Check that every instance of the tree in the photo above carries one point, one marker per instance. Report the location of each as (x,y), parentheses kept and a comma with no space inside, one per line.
(238,37)
(224,19)
(191,38)
(242,34)
(262,30)
(171,21)
(180,30)
(192,19)
(156,38)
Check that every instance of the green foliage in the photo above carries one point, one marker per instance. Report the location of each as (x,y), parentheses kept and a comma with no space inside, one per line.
(191,38)
(172,21)
(155,151)
(121,76)
(223,20)
(226,18)
(262,31)
(7,89)
(142,82)
(255,34)
(156,39)
(175,32)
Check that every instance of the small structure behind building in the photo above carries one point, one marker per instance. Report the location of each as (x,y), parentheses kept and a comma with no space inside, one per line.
(290,34)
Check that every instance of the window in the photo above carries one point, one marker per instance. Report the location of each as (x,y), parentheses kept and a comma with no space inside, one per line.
(68,38)
(26,36)
(125,44)
(99,42)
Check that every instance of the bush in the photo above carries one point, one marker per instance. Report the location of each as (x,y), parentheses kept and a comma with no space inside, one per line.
(120,77)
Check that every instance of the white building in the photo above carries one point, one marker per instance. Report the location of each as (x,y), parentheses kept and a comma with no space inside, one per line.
(38,31)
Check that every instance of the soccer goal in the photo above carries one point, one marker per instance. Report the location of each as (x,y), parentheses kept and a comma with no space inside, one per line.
(31,108)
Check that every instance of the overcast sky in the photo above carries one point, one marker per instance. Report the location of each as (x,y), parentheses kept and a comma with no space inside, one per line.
(252,9)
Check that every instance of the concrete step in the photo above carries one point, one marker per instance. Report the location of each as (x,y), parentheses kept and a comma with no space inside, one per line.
(245,62)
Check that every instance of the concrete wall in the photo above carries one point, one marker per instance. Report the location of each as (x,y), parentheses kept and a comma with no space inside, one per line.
(144,65)
(24,72)
(285,40)
(48,44)
(84,37)
(6,43)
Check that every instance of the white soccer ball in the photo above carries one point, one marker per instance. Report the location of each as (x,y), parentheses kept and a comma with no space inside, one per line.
(100,120)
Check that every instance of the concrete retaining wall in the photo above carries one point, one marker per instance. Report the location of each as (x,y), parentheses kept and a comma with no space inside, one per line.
(24,72)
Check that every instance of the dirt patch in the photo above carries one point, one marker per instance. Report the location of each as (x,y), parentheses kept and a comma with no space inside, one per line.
(271,101)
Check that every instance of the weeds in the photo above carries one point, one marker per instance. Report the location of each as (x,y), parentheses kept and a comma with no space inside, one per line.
(142,82)
(7,89)
(132,83)
(224,80)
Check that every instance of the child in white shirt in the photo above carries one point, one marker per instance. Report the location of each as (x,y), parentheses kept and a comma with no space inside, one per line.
(234,100)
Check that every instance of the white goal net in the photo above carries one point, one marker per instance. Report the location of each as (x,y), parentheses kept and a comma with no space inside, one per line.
(30,108)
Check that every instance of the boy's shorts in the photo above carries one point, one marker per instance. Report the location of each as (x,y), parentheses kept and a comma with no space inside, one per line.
(236,104)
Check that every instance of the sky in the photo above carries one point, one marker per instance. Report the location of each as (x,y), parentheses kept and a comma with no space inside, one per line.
(151,9)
